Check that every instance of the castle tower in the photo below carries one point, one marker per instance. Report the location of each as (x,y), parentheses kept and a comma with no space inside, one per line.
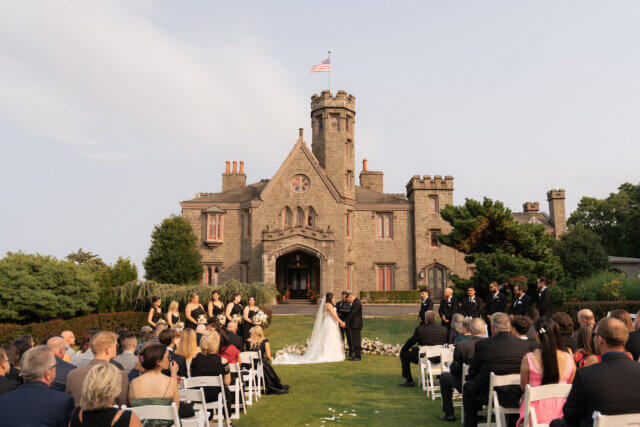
(557,212)
(332,121)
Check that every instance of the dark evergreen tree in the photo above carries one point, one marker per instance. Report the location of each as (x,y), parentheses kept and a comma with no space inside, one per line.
(581,253)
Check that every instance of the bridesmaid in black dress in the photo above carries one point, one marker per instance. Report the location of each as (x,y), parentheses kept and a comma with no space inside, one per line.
(192,311)
(173,314)
(215,306)
(234,307)
(155,313)
(272,382)
(247,317)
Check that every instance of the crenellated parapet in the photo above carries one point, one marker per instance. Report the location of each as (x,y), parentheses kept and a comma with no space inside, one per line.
(427,182)
(326,100)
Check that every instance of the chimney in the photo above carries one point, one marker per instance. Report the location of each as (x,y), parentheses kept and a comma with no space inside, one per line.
(300,132)
(227,170)
(233,180)
(531,207)
(373,180)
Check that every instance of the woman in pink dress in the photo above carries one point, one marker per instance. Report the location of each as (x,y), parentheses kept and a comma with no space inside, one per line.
(546,365)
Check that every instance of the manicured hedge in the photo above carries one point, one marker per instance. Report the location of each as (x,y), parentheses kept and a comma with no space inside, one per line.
(599,308)
(105,321)
(375,297)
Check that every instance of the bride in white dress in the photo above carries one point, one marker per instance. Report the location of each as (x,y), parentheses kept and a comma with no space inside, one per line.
(326,343)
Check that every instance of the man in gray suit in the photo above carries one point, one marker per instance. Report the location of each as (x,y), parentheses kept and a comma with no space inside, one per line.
(453,379)
(127,358)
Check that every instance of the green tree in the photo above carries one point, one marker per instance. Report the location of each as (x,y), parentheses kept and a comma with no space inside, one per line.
(89,259)
(615,219)
(500,248)
(38,287)
(581,253)
(108,278)
(173,255)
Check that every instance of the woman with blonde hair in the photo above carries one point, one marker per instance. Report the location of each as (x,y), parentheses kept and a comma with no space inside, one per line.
(257,342)
(173,314)
(208,363)
(188,346)
(100,388)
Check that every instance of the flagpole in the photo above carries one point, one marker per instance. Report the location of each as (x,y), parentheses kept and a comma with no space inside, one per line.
(330,71)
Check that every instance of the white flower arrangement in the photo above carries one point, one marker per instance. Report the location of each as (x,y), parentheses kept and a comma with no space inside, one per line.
(202,320)
(369,346)
(221,318)
(260,319)
(179,326)
(237,318)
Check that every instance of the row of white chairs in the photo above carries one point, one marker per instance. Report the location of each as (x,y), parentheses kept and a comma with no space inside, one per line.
(429,372)
(249,384)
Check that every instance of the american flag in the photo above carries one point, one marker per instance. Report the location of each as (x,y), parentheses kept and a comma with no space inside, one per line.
(323,67)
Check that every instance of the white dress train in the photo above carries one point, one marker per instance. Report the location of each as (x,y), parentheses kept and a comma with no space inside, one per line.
(325,345)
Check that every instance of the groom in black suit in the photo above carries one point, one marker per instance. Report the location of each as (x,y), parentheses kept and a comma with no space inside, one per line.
(354,327)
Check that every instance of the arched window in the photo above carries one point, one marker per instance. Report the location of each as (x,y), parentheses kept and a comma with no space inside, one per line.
(311,217)
(437,278)
(300,217)
(287,218)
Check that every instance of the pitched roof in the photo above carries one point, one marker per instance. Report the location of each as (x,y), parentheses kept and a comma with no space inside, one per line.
(238,195)
(366,196)
(533,217)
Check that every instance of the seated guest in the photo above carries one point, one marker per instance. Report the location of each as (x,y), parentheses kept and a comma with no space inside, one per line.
(70,340)
(153,387)
(596,357)
(428,333)
(84,355)
(548,364)
(103,346)
(501,354)
(58,348)
(209,363)
(28,339)
(99,390)
(13,354)
(533,315)
(257,342)
(6,384)
(585,345)
(520,326)
(565,323)
(201,330)
(188,346)
(161,326)
(457,328)
(168,339)
(146,334)
(35,404)
(586,317)
(127,358)
(462,354)
(228,350)
(633,345)
(232,335)
(611,387)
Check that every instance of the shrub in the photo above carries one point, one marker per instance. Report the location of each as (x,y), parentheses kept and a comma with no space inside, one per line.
(581,253)
(608,285)
(43,287)
(264,293)
(376,297)
(104,321)
(599,308)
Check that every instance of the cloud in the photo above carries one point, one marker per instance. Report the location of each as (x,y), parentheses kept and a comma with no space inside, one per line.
(104,80)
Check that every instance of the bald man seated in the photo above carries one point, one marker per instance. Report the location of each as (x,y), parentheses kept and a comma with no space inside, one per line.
(58,347)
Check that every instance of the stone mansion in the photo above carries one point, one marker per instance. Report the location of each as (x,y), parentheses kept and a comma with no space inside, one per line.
(311,229)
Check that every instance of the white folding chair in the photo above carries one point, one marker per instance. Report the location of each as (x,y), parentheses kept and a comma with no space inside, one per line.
(549,391)
(157,412)
(623,420)
(238,402)
(219,406)
(196,397)
(494,407)
(247,358)
(245,378)
(424,353)
(465,372)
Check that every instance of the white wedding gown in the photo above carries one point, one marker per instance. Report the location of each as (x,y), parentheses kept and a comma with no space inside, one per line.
(325,345)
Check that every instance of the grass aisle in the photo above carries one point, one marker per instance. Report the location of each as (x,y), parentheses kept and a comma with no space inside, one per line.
(365,393)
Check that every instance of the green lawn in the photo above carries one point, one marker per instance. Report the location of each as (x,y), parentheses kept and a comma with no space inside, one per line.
(367,389)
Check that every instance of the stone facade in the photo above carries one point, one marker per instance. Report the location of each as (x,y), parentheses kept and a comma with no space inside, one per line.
(311,229)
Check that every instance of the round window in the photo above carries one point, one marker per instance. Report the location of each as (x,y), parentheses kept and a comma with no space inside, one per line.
(300,184)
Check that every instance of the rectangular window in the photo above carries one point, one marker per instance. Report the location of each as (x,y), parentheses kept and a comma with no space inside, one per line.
(433,204)
(385,277)
(214,227)
(347,150)
(348,224)
(244,272)
(349,178)
(335,122)
(346,124)
(246,224)
(433,236)
(320,123)
(349,277)
(384,222)
(212,275)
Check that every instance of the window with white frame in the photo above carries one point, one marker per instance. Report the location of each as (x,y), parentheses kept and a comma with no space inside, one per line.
(385,277)
(384,225)
(215,227)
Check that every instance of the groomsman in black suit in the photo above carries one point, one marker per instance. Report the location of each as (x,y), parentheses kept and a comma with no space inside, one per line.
(471,306)
(448,307)
(354,327)
(496,302)
(343,307)
(426,304)
(521,301)
(545,300)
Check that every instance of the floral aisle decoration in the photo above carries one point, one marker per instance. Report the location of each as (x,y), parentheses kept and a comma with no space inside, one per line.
(369,346)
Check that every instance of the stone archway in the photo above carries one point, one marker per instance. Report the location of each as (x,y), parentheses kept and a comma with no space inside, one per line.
(298,275)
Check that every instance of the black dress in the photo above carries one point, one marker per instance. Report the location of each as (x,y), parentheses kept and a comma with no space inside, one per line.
(99,418)
(246,326)
(271,380)
(210,366)
(175,318)
(217,311)
(157,314)
(195,313)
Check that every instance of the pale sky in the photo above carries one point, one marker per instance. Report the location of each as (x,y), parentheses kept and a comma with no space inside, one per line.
(112,113)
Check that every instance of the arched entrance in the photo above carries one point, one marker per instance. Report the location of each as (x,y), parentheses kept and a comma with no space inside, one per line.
(298,275)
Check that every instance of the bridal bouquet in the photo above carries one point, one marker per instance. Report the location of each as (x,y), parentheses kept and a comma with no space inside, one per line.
(237,318)
(179,326)
(221,319)
(202,320)
(260,319)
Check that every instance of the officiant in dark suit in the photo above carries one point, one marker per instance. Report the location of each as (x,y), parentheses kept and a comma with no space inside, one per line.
(521,302)
(426,304)
(354,327)
(545,299)
(343,308)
